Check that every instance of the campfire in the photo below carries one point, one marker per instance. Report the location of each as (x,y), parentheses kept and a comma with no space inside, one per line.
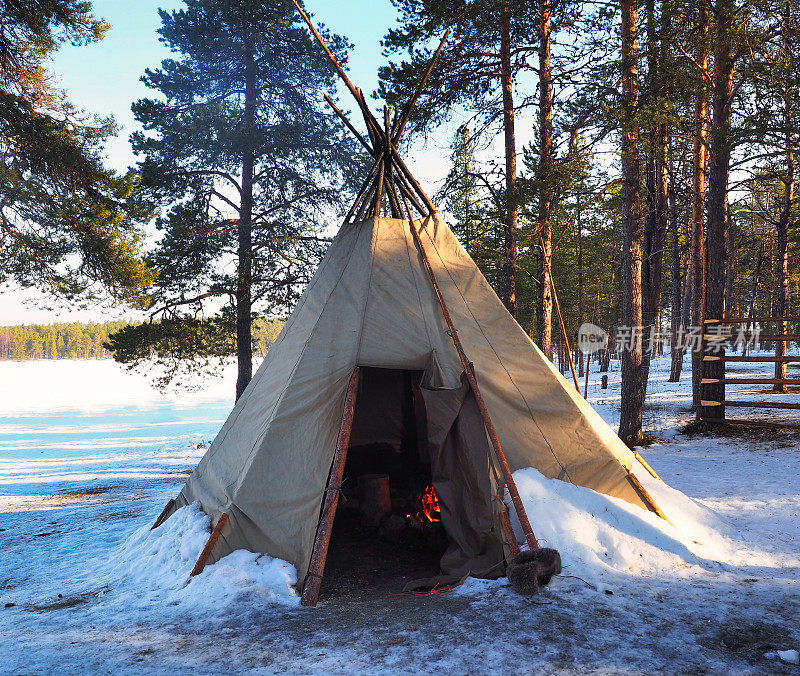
(429,511)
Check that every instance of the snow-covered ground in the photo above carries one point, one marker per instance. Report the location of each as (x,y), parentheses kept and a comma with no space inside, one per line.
(89,454)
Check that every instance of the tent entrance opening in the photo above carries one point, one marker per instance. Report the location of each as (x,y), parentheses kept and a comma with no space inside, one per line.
(387,529)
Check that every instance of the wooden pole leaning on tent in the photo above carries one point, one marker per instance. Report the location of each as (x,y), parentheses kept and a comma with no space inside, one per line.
(164,513)
(316,567)
(500,456)
(560,317)
(203,558)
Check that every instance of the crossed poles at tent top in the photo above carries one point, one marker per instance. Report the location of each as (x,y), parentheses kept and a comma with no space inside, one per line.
(388,178)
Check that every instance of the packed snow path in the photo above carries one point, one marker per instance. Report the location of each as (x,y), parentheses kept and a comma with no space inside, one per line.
(86,465)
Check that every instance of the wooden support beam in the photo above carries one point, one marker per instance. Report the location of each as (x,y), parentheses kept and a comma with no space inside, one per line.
(740,358)
(761,404)
(646,497)
(319,554)
(778,336)
(745,422)
(751,320)
(201,561)
(751,381)
(347,123)
(164,513)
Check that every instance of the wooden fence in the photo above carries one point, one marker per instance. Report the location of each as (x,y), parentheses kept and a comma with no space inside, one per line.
(713,399)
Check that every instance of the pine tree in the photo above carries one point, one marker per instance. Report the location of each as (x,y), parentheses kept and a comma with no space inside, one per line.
(489,47)
(67,222)
(249,166)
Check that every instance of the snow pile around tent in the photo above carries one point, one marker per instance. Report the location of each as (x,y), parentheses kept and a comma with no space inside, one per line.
(156,563)
(596,535)
(599,536)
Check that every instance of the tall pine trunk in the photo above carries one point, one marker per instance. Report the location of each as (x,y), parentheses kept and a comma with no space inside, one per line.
(579,243)
(244,346)
(510,230)
(782,304)
(718,174)
(544,301)
(677,314)
(657,185)
(630,421)
(699,183)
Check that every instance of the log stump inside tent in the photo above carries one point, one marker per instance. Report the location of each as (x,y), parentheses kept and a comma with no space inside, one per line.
(374,499)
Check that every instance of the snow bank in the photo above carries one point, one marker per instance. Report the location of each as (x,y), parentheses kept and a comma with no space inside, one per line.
(596,533)
(154,565)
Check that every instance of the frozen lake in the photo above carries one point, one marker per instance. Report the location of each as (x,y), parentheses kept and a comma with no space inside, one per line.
(70,427)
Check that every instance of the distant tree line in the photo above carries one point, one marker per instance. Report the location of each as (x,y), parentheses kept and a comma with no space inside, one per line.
(57,341)
(76,340)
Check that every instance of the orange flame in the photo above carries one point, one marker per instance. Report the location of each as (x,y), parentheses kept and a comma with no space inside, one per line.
(429,507)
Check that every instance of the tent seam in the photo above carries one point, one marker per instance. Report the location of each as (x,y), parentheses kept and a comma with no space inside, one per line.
(375,228)
(416,286)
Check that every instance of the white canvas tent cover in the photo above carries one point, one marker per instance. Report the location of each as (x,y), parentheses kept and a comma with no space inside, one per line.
(371,304)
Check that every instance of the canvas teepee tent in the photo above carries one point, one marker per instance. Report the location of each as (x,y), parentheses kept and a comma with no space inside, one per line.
(397,295)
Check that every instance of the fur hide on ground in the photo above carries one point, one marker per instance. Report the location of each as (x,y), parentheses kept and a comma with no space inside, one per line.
(529,570)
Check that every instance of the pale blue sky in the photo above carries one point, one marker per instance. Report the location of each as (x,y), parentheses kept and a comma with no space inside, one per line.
(103,78)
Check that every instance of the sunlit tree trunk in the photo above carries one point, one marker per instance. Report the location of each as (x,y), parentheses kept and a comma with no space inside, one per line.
(718,173)
(544,303)
(244,347)
(632,400)
(699,167)
(510,230)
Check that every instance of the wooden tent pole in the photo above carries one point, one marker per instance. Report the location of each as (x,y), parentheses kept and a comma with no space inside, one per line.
(410,178)
(560,318)
(163,516)
(505,520)
(646,497)
(327,51)
(311,585)
(349,125)
(409,107)
(203,558)
(393,206)
(364,187)
(646,465)
(367,201)
(487,421)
